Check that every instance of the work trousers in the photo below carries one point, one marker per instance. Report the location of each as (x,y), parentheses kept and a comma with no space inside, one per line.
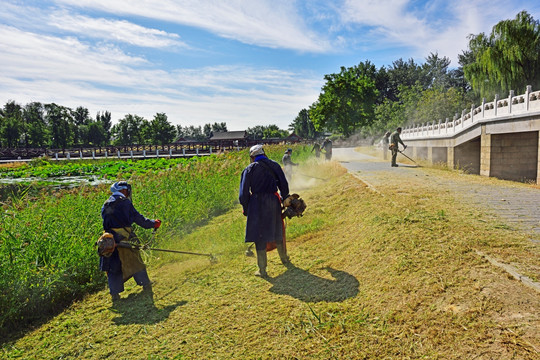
(116,280)
(394,156)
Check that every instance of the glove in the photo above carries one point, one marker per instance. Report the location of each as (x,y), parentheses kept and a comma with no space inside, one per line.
(157,223)
(404,147)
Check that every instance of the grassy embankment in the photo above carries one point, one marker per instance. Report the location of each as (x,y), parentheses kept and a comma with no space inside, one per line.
(47,251)
(368,281)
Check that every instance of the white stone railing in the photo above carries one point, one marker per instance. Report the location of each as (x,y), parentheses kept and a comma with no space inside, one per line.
(520,105)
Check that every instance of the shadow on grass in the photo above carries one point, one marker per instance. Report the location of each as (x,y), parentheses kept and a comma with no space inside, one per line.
(140,309)
(304,286)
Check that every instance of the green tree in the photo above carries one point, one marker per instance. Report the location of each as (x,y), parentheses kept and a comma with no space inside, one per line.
(81,119)
(193,133)
(95,134)
(406,73)
(11,125)
(274,132)
(346,102)
(129,130)
(303,126)
(36,132)
(104,119)
(210,129)
(436,71)
(207,130)
(507,59)
(261,132)
(161,130)
(179,131)
(60,123)
(256,132)
(438,104)
(388,116)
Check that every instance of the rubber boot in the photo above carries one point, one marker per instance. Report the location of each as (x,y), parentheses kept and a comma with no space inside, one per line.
(282,251)
(147,288)
(261,263)
(115,298)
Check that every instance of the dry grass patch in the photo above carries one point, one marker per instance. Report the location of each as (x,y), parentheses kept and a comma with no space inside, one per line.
(12,165)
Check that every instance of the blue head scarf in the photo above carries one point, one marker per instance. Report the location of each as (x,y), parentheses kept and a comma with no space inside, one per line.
(120,185)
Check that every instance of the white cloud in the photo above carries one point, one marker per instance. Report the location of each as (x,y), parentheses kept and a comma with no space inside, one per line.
(267,23)
(435,26)
(48,69)
(114,30)
(29,55)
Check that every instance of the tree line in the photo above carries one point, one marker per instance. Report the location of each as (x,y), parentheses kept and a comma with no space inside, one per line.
(370,101)
(37,125)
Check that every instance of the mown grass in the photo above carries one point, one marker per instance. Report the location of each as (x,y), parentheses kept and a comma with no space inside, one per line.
(47,252)
(379,276)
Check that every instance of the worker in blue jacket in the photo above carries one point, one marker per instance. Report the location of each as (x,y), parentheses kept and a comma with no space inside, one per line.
(118,215)
(261,203)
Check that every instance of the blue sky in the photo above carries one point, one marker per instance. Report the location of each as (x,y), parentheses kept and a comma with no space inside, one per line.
(243,62)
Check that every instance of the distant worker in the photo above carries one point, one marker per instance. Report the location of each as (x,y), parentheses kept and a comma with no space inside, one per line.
(385,142)
(118,215)
(288,164)
(317,149)
(327,146)
(395,140)
(261,203)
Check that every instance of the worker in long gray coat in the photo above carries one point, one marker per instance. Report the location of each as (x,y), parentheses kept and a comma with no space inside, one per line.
(261,203)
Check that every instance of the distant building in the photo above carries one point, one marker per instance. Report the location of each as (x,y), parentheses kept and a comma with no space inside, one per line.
(229,138)
(293,138)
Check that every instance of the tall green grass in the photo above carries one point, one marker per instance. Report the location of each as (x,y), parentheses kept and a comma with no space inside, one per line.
(47,252)
(42,168)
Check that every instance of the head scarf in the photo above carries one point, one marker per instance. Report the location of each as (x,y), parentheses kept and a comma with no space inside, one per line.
(256,150)
(119,185)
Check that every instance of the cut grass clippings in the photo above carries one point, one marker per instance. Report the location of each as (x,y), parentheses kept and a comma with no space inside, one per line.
(378,277)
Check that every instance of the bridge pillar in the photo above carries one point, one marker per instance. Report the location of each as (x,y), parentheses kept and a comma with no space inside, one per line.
(538,162)
(450,157)
(485,153)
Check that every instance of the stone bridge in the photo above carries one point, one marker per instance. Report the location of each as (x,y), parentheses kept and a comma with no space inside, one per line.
(499,138)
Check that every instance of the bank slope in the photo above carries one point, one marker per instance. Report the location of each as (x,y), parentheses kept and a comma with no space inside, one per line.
(373,276)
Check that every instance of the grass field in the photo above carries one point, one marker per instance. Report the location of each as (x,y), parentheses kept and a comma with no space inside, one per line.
(367,282)
(47,252)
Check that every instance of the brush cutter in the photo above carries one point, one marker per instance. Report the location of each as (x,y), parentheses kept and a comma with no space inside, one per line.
(143,247)
(311,176)
(401,152)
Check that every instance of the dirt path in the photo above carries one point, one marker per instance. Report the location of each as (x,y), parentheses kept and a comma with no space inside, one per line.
(515,205)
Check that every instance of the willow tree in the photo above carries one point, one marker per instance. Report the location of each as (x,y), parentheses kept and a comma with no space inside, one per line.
(507,59)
